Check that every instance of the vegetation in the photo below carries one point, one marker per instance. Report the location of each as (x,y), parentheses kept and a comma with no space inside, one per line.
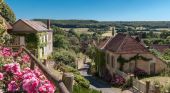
(67,57)
(79,89)
(78,78)
(7,13)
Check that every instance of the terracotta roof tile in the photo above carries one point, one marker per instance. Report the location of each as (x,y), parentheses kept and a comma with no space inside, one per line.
(123,43)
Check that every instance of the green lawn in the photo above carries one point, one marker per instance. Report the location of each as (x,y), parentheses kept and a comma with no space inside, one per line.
(79,89)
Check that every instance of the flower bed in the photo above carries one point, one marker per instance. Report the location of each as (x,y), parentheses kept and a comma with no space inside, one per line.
(16,76)
(140,73)
(118,80)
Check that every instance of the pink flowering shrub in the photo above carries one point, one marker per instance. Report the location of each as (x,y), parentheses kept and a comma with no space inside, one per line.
(6,52)
(25,58)
(118,80)
(12,68)
(18,78)
(13,86)
(1,76)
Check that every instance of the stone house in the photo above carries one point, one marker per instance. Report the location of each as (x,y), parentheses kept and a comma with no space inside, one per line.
(34,35)
(125,53)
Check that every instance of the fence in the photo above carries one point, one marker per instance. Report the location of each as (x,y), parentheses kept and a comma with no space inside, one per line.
(124,75)
(49,75)
(144,87)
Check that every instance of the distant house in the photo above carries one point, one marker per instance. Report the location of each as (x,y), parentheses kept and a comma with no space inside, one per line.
(160,48)
(125,53)
(34,35)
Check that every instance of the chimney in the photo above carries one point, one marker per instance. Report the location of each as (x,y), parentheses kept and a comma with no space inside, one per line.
(48,23)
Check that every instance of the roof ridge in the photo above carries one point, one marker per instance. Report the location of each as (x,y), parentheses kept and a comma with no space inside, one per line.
(107,42)
(121,43)
(28,24)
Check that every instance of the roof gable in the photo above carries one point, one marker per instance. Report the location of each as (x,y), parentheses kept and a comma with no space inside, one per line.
(29,26)
(123,43)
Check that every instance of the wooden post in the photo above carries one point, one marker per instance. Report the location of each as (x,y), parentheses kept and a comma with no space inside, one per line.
(157,89)
(147,86)
(131,80)
(68,79)
(45,62)
(32,65)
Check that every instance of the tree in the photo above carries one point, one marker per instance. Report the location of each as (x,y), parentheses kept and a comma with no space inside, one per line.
(7,13)
(65,56)
(61,41)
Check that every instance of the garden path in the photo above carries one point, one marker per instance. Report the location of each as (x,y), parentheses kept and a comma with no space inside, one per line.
(97,83)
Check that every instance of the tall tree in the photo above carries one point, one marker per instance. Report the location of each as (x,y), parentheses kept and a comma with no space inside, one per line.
(7,13)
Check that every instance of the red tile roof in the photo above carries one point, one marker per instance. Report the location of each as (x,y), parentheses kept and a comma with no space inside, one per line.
(123,43)
(161,48)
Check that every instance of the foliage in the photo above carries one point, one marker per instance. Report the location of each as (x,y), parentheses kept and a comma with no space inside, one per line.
(122,60)
(166,55)
(61,41)
(79,89)
(7,13)
(4,36)
(32,40)
(82,81)
(155,52)
(92,68)
(67,57)
(78,78)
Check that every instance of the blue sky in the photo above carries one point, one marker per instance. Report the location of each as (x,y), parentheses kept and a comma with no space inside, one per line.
(102,10)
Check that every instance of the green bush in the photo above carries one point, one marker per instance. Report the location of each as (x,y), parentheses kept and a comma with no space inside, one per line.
(69,69)
(82,81)
(77,77)
(80,89)
(66,57)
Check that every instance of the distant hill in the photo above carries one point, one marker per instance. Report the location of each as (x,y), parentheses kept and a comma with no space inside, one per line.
(75,23)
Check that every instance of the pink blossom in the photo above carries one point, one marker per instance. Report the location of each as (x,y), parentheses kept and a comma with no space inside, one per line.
(6,52)
(1,76)
(25,58)
(30,85)
(46,88)
(12,86)
(12,68)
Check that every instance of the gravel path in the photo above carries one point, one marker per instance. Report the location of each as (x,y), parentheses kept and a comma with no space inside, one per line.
(98,84)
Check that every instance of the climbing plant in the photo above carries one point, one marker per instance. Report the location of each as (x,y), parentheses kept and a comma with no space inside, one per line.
(122,60)
(34,41)
(99,60)
(4,36)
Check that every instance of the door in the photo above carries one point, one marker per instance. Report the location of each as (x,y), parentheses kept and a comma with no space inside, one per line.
(22,40)
(152,68)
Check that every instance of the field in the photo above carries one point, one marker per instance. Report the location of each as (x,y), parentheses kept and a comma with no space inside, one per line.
(79,30)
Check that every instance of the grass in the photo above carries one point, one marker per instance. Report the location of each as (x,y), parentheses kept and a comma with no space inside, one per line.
(163,80)
(79,89)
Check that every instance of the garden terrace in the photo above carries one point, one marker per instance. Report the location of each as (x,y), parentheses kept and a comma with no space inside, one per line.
(60,86)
